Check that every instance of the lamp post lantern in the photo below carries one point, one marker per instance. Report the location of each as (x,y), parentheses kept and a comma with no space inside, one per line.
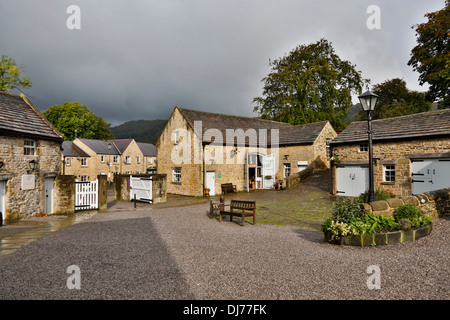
(368,101)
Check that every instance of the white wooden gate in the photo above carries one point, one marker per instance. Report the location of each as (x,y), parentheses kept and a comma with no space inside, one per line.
(86,195)
(351,181)
(429,174)
(141,188)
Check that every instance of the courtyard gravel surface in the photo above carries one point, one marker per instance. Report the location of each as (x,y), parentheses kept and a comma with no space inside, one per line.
(181,253)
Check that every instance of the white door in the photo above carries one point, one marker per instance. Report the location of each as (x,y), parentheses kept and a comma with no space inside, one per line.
(48,200)
(268,170)
(3,198)
(211,182)
(429,174)
(351,181)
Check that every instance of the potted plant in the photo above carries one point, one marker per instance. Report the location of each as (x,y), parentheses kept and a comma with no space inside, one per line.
(206,191)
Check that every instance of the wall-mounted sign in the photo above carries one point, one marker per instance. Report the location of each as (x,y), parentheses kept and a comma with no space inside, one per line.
(220,175)
(28,182)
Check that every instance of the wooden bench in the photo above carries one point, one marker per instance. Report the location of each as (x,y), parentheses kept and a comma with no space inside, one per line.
(240,208)
(228,188)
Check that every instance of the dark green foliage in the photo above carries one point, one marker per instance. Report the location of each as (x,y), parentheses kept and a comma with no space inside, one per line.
(378,193)
(140,130)
(407,211)
(345,210)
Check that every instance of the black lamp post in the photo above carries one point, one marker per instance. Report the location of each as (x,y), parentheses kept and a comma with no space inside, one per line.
(368,101)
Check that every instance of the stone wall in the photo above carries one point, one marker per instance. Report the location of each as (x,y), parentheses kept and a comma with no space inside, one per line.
(21,203)
(434,204)
(390,152)
(64,194)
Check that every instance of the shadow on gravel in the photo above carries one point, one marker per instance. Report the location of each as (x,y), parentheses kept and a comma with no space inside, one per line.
(118,259)
(310,235)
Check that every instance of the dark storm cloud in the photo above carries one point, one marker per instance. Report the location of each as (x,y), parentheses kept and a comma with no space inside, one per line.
(138,59)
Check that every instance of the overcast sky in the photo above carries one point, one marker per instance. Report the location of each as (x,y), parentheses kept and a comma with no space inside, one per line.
(138,59)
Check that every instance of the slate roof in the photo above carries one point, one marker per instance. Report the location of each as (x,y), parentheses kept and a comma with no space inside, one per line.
(288,134)
(101,146)
(19,116)
(70,149)
(147,149)
(419,125)
(121,144)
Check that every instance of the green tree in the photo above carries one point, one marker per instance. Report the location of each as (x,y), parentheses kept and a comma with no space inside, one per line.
(10,75)
(395,99)
(431,56)
(309,84)
(71,116)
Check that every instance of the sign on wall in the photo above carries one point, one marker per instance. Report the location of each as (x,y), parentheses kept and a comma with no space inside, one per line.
(28,182)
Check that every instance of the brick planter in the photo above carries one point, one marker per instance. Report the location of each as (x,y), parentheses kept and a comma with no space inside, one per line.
(382,238)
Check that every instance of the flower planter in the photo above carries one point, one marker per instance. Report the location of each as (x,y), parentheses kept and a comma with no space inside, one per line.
(381,238)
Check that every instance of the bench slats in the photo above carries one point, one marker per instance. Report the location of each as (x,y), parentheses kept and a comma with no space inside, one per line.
(246,209)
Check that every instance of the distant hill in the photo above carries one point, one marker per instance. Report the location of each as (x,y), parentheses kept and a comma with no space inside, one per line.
(139,130)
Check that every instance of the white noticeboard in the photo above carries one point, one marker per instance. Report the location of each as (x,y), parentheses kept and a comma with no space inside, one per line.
(28,182)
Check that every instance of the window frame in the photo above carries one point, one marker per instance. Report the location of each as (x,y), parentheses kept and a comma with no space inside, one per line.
(363,147)
(26,148)
(176,175)
(389,173)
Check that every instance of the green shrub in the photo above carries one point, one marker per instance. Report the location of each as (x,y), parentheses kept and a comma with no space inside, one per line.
(379,194)
(420,222)
(380,223)
(326,225)
(347,209)
(407,211)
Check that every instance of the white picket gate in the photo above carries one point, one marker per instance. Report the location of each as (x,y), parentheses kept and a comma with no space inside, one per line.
(141,188)
(86,195)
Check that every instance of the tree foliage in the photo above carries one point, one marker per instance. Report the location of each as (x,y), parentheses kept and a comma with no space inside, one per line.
(309,84)
(71,116)
(395,99)
(431,56)
(10,75)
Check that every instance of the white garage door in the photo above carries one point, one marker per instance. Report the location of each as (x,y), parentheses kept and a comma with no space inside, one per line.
(352,180)
(429,174)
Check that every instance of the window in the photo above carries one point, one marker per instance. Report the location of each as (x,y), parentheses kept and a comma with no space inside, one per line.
(102,158)
(176,134)
(287,170)
(83,162)
(389,173)
(84,178)
(363,147)
(138,159)
(68,160)
(328,151)
(150,160)
(127,160)
(177,175)
(29,148)
(116,159)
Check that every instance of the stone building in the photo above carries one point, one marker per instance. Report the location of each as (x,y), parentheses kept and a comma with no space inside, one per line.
(411,155)
(88,158)
(202,150)
(30,159)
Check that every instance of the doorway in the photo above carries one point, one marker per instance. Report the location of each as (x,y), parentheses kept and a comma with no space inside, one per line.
(211,182)
(48,197)
(2,199)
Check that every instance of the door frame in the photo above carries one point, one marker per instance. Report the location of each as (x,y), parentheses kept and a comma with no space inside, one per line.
(212,189)
(49,184)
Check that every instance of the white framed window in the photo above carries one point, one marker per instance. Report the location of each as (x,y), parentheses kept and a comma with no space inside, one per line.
(149,160)
(138,159)
(176,137)
(84,178)
(102,159)
(116,159)
(29,148)
(363,147)
(84,162)
(287,170)
(389,173)
(68,161)
(127,160)
(176,175)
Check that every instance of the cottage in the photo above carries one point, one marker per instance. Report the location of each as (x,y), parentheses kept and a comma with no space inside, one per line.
(202,150)
(88,158)
(30,159)
(411,155)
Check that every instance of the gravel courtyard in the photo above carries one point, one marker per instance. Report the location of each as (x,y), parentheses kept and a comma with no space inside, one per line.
(181,253)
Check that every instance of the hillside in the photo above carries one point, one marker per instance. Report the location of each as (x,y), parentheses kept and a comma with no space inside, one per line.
(139,130)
